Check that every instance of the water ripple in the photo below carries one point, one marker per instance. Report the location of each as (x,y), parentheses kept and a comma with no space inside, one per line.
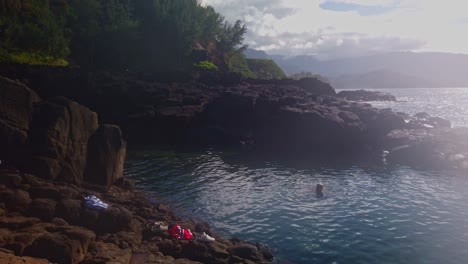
(393,215)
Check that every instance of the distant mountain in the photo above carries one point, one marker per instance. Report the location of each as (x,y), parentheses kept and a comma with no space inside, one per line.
(380,79)
(414,69)
(256,54)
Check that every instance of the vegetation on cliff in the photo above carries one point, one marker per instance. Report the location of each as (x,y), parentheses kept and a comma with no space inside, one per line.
(120,34)
(265,69)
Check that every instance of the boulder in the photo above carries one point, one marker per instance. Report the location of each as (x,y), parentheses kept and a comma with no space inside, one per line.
(15,199)
(22,238)
(59,139)
(315,86)
(53,247)
(84,236)
(363,95)
(50,192)
(10,179)
(9,258)
(43,209)
(423,120)
(17,222)
(246,251)
(106,156)
(69,210)
(107,253)
(430,148)
(114,219)
(16,108)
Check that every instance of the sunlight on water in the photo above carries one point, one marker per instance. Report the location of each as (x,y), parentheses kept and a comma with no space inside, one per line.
(448,103)
(368,215)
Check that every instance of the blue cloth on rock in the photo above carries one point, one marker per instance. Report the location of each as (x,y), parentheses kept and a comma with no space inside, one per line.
(93,202)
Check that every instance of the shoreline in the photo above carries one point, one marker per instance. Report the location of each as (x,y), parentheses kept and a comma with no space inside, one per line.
(102,241)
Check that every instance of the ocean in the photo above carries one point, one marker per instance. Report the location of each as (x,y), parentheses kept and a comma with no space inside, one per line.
(369,214)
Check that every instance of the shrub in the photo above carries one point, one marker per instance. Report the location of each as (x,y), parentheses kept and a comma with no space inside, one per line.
(32,58)
(206,65)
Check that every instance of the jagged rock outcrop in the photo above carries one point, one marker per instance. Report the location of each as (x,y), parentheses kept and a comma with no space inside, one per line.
(429,148)
(45,217)
(6,257)
(301,116)
(62,229)
(276,116)
(363,95)
(106,156)
(50,137)
(59,139)
(16,108)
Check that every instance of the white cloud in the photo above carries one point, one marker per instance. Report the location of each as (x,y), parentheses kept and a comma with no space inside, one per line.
(302,27)
(363,2)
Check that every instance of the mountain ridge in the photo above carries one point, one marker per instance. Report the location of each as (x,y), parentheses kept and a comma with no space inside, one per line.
(422,69)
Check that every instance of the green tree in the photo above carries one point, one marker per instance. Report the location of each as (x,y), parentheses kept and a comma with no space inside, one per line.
(149,35)
(102,32)
(32,28)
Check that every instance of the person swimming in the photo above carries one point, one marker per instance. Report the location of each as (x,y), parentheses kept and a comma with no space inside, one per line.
(319,190)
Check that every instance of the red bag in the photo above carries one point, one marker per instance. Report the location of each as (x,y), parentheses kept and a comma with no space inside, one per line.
(178,232)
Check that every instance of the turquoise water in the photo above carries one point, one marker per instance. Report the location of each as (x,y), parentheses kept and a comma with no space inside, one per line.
(368,214)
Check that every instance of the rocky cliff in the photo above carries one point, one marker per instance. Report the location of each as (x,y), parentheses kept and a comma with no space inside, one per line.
(53,153)
(302,117)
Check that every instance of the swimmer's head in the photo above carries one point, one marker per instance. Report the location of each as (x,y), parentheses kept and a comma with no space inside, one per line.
(319,188)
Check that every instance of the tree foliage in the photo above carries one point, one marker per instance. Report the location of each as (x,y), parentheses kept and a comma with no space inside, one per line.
(265,69)
(147,35)
(33,26)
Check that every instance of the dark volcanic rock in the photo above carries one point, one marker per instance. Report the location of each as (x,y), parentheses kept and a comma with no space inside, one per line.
(17,222)
(10,179)
(69,210)
(56,248)
(246,251)
(315,86)
(9,258)
(43,209)
(423,121)
(15,199)
(107,253)
(106,156)
(16,109)
(60,133)
(363,95)
(429,148)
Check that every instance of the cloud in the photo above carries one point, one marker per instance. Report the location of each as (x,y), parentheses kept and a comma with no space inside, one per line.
(330,46)
(363,2)
(363,10)
(334,28)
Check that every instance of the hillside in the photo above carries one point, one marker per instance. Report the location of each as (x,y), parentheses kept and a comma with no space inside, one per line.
(413,69)
(380,79)
(265,69)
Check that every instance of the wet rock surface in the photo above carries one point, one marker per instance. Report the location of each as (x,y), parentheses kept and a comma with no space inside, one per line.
(429,148)
(287,116)
(363,95)
(63,157)
(66,231)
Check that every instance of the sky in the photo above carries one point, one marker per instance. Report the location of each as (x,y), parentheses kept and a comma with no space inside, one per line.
(331,29)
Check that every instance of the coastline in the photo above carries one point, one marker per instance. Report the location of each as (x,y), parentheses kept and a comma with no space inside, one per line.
(53,215)
(65,154)
(54,155)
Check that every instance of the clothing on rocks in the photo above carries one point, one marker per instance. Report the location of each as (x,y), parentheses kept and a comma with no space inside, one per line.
(93,202)
(178,232)
(157,226)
